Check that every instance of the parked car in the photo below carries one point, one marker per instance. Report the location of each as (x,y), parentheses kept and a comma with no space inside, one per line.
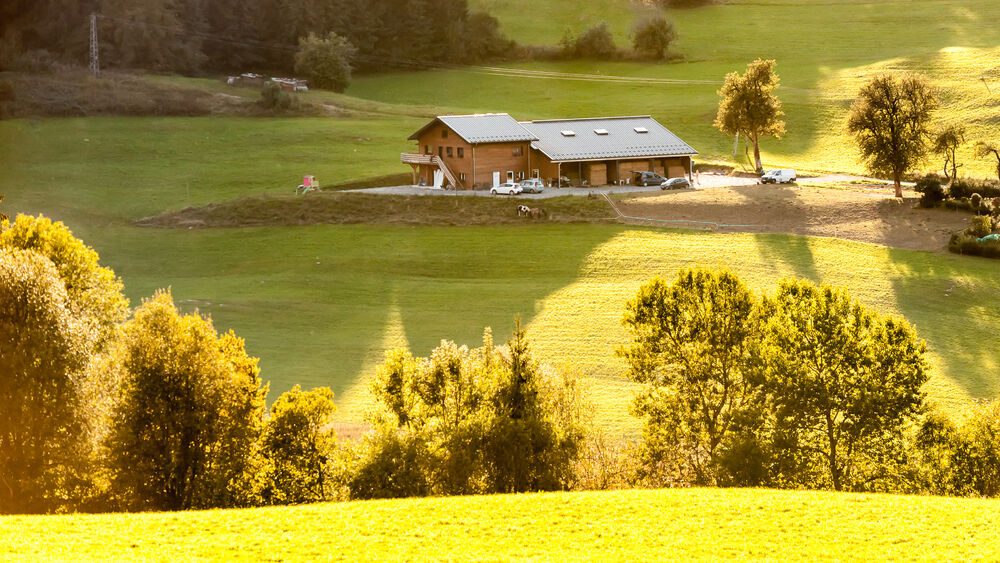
(532,186)
(506,188)
(783,176)
(675,184)
(647,179)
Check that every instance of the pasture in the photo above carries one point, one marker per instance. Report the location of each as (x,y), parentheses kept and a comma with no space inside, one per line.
(320,303)
(640,525)
(825,52)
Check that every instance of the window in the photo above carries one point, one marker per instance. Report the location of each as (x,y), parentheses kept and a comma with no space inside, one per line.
(444,133)
(568,133)
(641,130)
(461,177)
(534,173)
(461,152)
(450,152)
(427,149)
(521,175)
(510,175)
(518,151)
(601,131)
(440,151)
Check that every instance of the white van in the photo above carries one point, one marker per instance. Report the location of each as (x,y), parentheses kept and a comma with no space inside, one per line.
(784,176)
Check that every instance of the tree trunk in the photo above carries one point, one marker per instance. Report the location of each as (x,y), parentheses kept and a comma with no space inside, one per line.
(756,156)
(898,181)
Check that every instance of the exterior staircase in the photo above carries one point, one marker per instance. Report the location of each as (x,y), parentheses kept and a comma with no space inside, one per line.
(431,160)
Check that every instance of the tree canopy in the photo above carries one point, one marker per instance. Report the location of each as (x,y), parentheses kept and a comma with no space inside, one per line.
(890,121)
(748,106)
(653,36)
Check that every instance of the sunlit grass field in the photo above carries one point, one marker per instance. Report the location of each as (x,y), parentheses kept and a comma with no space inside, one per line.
(678,524)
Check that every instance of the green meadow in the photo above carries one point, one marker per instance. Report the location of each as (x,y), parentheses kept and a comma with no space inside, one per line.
(637,525)
(825,52)
(320,304)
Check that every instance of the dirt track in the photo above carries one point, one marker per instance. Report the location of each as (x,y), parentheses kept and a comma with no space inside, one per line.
(855,212)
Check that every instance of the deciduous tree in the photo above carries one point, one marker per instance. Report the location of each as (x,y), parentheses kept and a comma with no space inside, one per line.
(890,121)
(300,446)
(947,143)
(987,150)
(325,61)
(693,350)
(844,381)
(749,106)
(189,414)
(44,349)
(487,420)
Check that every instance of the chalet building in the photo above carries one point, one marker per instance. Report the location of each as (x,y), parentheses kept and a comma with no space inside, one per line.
(475,151)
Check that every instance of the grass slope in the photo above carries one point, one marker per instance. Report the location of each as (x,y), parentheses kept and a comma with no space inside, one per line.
(825,52)
(319,304)
(679,524)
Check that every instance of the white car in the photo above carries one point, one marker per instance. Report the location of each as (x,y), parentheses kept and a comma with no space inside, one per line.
(785,176)
(507,188)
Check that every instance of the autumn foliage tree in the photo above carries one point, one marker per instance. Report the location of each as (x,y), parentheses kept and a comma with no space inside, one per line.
(890,121)
(946,143)
(749,106)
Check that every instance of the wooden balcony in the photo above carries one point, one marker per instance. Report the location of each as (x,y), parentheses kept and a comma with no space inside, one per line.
(415,159)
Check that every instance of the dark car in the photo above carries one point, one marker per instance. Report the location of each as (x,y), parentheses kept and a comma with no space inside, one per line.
(647,178)
(675,184)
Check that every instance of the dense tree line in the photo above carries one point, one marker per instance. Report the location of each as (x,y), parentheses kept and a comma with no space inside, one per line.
(242,35)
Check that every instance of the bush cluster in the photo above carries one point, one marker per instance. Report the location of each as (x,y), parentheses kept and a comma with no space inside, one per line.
(984,223)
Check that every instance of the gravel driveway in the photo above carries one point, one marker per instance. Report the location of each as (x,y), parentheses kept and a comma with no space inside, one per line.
(704,181)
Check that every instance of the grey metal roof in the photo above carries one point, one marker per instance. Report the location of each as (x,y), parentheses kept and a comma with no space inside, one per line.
(622,140)
(482,128)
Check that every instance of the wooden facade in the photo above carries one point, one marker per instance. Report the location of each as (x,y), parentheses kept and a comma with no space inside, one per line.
(478,165)
(472,165)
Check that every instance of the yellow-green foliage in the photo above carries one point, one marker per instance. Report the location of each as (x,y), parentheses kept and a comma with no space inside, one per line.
(678,524)
(191,408)
(43,350)
(300,446)
(466,421)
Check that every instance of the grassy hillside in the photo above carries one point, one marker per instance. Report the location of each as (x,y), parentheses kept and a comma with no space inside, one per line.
(319,304)
(825,51)
(680,524)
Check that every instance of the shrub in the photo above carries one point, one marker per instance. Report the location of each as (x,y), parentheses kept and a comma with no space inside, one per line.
(976,201)
(931,191)
(980,226)
(965,187)
(653,36)
(595,43)
(964,243)
(272,97)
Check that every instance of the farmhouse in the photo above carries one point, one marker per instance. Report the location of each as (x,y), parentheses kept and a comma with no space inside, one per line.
(471,151)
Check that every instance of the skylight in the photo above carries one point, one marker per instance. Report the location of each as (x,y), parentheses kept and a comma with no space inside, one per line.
(601,131)
(641,130)
(568,133)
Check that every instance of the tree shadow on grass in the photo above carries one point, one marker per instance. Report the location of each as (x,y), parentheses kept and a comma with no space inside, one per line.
(952,302)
